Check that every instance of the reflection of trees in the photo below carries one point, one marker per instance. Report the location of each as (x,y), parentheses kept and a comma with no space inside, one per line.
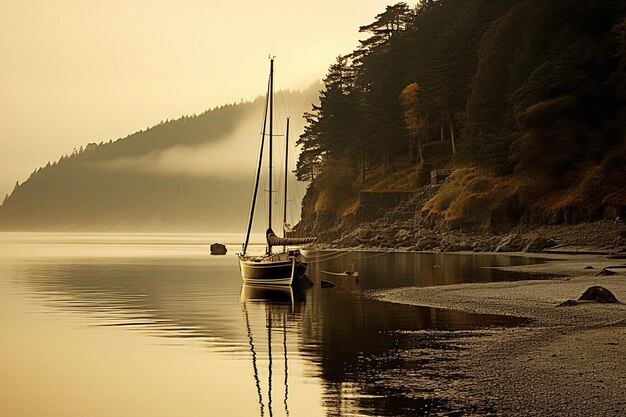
(427,269)
(353,344)
(342,336)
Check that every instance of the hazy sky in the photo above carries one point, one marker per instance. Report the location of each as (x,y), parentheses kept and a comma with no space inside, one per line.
(80,71)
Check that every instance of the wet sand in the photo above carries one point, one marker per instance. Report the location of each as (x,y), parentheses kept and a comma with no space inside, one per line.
(568,361)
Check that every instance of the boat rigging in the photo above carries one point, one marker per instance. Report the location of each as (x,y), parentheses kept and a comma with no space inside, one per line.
(286,266)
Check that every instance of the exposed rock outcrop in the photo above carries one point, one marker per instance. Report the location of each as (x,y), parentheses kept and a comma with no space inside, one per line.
(595,294)
(407,228)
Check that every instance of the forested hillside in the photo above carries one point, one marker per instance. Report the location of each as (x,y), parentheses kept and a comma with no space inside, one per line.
(524,99)
(190,174)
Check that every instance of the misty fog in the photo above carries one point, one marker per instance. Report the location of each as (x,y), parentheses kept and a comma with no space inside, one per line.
(232,156)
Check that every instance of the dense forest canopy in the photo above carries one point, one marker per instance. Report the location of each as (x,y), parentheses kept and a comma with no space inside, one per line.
(531,89)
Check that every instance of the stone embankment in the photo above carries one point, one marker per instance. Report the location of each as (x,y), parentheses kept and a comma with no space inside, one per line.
(404,228)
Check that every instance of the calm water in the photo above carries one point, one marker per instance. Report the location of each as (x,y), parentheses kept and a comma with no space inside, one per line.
(151,325)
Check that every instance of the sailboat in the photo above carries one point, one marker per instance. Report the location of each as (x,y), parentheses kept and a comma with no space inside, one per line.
(273,268)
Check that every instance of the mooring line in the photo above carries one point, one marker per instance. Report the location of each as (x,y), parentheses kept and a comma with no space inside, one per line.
(320,259)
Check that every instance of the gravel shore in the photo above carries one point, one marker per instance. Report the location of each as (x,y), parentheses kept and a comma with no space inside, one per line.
(569,361)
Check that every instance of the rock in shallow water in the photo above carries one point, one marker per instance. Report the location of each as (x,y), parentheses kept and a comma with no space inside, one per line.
(218,249)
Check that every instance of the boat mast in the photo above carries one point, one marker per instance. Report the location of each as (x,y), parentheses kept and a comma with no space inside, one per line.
(285,196)
(286,167)
(271,107)
(258,174)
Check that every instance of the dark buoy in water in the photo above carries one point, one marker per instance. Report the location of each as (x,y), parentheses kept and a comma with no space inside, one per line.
(218,249)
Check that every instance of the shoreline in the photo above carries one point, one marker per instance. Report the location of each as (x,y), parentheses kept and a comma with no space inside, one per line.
(396,231)
(566,361)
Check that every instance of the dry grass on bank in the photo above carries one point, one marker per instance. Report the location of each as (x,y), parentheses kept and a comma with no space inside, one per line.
(399,177)
(475,196)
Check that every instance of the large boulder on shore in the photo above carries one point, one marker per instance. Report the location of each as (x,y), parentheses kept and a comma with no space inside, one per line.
(596,294)
(599,294)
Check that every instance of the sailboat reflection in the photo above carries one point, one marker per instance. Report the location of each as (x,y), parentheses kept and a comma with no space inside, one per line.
(273,295)
(279,305)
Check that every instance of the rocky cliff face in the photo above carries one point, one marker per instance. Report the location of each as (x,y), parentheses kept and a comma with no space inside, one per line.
(412,224)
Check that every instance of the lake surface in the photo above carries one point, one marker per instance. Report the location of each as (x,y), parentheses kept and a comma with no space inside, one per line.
(152,325)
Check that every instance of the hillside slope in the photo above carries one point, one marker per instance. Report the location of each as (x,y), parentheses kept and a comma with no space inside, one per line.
(524,100)
(190,174)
